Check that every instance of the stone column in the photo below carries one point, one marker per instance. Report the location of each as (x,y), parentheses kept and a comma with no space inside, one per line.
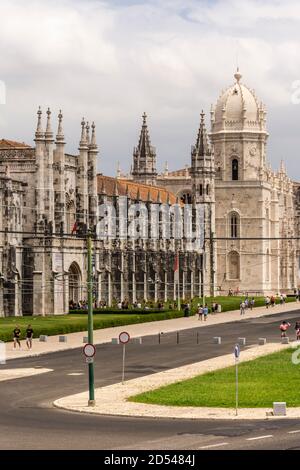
(66,291)
(155,288)
(38,293)
(166,286)
(183,284)
(99,298)
(145,287)
(133,279)
(109,290)
(1,298)
(200,281)
(192,284)
(18,298)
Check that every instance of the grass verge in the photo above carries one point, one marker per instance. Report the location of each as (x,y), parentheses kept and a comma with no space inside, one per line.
(62,324)
(261,382)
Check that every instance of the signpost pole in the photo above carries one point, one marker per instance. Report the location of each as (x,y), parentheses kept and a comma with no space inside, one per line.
(91,401)
(124,339)
(236,386)
(123,369)
(236,356)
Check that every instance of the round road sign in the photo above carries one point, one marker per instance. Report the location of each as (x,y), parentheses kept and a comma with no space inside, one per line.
(89,350)
(124,337)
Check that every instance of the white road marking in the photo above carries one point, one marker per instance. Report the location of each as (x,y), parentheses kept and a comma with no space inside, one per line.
(259,437)
(293,432)
(75,373)
(214,445)
(11,374)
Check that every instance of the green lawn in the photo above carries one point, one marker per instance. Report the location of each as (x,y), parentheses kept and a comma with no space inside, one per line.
(105,318)
(61,324)
(261,382)
(233,302)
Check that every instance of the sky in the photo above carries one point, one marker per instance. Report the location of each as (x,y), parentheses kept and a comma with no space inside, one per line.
(111,60)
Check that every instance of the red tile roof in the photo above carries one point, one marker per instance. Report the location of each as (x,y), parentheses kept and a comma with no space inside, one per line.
(11,144)
(131,188)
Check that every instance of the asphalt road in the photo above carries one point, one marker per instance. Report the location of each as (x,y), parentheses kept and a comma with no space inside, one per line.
(28,419)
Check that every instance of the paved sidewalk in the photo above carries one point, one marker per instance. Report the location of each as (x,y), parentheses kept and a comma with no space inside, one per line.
(75,340)
(112,400)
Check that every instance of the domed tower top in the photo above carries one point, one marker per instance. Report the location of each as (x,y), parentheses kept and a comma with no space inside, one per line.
(238,109)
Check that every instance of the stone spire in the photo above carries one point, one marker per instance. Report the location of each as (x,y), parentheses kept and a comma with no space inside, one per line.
(93,143)
(202,146)
(48,133)
(118,170)
(83,140)
(87,128)
(237,75)
(144,157)
(60,138)
(39,135)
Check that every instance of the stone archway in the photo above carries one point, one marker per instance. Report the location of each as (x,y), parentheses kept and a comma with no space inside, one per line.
(74,283)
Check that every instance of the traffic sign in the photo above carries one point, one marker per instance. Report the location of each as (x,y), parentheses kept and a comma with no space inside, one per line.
(89,350)
(124,337)
(89,360)
(237,351)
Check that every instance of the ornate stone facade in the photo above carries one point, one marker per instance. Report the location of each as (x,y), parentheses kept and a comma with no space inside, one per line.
(50,199)
(256,208)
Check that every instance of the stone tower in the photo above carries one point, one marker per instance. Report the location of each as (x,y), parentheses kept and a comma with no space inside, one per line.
(144,158)
(203,191)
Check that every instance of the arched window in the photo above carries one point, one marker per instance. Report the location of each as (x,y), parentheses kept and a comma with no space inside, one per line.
(235,169)
(234,225)
(234,265)
(186,198)
(74,283)
(200,189)
(207,189)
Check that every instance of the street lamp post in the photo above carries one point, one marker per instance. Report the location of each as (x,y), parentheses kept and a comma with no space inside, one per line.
(91,401)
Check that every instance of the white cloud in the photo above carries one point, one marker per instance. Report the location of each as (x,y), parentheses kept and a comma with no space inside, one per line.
(111,60)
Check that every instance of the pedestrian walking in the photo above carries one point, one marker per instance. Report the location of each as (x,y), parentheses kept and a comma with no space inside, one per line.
(267,301)
(29,336)
(205,312)
(252,301)
(242,308)
(283,328)
(17,334)
(186,310)
(200,312)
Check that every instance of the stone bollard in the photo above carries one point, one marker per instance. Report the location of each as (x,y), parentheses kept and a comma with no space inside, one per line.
(44,338)
(62,339)
(279,408)
(285,340)
(262,341)
(242,341)
(217,339)
(136,340)
(115,341)
(85,339)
